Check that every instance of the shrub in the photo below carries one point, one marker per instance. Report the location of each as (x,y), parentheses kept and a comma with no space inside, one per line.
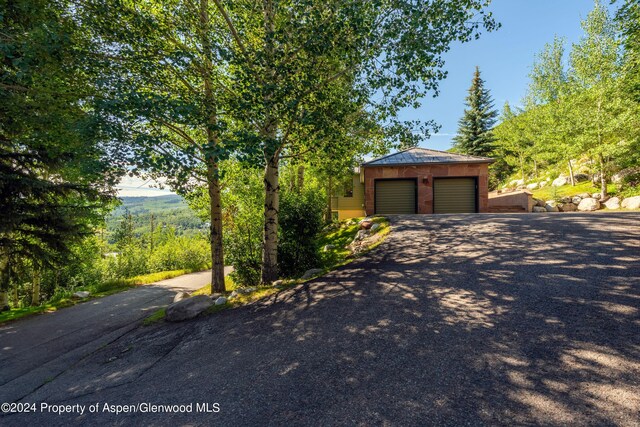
(300,222)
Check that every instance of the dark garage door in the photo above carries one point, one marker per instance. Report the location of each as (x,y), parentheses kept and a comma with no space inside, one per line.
(396,196)
(454,195)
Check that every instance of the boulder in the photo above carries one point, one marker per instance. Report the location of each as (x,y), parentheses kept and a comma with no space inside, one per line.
(567,207)
(542,184)
(278,282)
(596,196)
(565,199)
(328,248)
(361,235)
(584,195)
(234,294)
(533,186)
(221,300)
(187,308)
(539,202)
(620,176)
(588,204)
(612,203)
(559,181)
(312,273)
(180,296)
(365,225)
(82,294)
(576,200)
(631,202)
(580,177)
(551,206)
(539,209)
(516,183)
(375,227)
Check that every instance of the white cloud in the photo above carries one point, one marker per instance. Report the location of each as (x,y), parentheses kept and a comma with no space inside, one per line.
(136,187)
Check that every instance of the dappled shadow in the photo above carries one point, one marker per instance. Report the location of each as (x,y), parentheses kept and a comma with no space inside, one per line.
(468,319)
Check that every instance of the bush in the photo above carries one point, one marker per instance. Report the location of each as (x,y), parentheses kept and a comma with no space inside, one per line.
(300,222)
(182,253)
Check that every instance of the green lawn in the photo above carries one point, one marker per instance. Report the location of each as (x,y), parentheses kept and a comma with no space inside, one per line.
(552,193)
(100,290)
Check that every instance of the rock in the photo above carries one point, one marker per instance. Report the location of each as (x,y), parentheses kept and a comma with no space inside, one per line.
(312,273)
(233,294)
(612,203)
(365,225)
(180,296)
(580,177)
(82,294)
(596,196)
(551,206)
(533,186)
(214,296)
(568,207)
(542,184)
(565,199)
(584,195)
(249,290)
(328,248)
(631,202)
(539,209)
(559,181)
(576,200)
(278,282)
(361,235)
(187,308)
(538,202)
(516,183)
(375,227)
(620,176)
(588,204)
(221,300)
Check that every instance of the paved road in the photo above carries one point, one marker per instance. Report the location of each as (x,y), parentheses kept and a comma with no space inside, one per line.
(36,350)
(454,320)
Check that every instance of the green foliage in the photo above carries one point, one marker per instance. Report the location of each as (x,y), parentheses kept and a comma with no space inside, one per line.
(300,222)
(583,112)
(475,136)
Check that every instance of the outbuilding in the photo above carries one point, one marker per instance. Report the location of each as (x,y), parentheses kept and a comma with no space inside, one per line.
(419,180)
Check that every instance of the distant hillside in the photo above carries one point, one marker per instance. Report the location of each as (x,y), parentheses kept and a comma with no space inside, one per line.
(168,211)
(141,205)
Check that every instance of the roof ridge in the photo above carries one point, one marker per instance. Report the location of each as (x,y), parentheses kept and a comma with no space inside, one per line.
(454,153)
(387,155)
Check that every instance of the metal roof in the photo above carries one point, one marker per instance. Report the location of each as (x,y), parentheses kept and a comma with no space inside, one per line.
(424,156)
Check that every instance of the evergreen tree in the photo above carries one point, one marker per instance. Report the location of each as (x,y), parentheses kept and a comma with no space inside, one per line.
(475,134)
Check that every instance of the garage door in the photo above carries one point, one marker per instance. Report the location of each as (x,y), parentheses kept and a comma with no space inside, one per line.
(454,195)
(396,196)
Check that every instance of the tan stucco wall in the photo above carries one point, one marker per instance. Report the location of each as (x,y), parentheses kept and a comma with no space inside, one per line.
(515,201)
(425,175)
(350,207)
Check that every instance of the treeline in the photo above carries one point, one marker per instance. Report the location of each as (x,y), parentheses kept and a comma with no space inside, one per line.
(93,89)
(581,106)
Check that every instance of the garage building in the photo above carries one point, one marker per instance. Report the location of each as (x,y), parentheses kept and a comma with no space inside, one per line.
(425,181)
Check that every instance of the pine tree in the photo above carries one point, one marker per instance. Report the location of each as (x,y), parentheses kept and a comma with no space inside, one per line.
(475,134)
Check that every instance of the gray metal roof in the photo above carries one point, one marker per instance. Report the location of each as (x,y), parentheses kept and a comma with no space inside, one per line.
(422,156)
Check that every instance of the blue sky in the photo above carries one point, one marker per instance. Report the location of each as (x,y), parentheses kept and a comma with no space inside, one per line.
(504,57)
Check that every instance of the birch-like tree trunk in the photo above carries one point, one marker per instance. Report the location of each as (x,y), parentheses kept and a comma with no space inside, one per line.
(571,175)
(271,208)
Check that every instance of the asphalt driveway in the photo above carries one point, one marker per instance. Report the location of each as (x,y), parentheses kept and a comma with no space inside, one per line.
(454,320)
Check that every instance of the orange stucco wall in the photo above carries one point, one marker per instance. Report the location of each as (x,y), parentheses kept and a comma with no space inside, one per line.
(425,175)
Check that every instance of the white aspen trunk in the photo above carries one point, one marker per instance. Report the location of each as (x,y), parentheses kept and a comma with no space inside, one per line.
(271,207)
(35,287)
(573,180)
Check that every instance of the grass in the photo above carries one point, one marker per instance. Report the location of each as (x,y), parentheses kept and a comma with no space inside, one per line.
(155,317)
(102,289)
(553,193)
(331,259)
